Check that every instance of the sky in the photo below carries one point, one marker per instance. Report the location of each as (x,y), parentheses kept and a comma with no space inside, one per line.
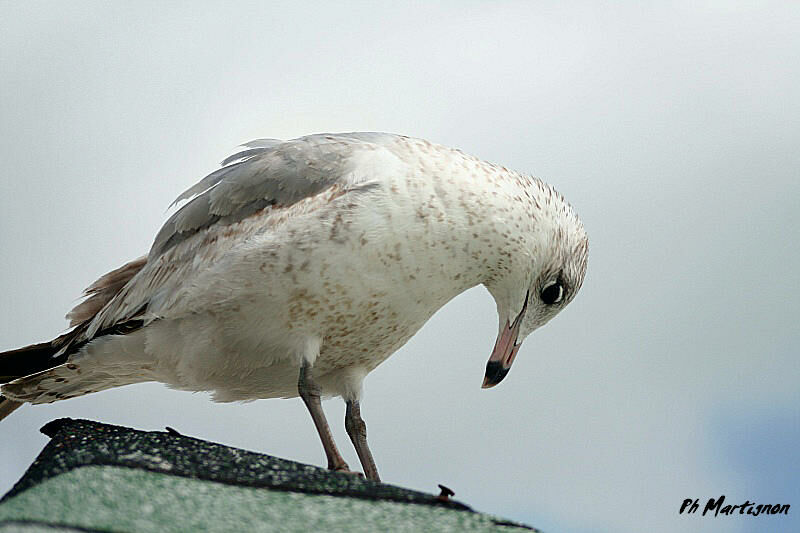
(672,128)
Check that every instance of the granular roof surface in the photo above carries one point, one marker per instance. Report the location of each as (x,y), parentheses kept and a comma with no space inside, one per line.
(99,477)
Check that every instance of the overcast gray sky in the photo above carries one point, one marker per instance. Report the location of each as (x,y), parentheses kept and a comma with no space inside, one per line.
(673,129)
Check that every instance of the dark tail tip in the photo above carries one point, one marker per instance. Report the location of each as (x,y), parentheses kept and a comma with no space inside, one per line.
(7,406)
(26,361)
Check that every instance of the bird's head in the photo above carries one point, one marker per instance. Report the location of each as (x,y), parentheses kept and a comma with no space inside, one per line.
(545,277)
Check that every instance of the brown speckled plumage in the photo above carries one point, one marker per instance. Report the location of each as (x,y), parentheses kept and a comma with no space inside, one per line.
(330,251)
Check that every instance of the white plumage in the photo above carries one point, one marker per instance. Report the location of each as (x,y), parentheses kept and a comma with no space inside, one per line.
(329,252)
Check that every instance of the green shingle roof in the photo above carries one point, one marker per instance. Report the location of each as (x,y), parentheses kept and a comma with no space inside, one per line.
(99,477)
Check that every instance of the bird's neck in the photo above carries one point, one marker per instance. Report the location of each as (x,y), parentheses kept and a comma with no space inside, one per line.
(464,221)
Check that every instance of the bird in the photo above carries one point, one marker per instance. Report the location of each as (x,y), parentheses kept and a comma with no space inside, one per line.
(299,266)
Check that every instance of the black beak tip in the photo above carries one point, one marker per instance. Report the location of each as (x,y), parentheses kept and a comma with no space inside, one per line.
(495,372)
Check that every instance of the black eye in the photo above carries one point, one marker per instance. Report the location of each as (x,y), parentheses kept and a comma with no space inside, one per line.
(553,293)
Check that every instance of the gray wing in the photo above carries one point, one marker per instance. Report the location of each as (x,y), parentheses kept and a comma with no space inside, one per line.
(268,173)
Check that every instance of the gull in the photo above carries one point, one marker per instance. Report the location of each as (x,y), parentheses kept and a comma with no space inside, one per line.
(299,266)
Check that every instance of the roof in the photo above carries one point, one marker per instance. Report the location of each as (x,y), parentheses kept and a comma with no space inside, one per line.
(100,477)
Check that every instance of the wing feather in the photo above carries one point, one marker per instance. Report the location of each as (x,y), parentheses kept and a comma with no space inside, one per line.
(269,174)
(228,206)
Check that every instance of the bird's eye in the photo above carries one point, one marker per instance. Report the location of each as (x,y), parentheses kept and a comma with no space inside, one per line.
(553,293)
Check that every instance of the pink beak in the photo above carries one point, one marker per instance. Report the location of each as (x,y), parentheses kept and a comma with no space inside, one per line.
(505,350)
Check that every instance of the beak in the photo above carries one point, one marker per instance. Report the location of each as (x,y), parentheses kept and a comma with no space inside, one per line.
(505,350)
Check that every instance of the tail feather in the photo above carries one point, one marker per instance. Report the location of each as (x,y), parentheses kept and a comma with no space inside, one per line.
(24,369)
(7,407)
(28,360)
(22,362)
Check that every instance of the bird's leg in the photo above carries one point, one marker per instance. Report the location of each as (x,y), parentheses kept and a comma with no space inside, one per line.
(309,392)
(357,430)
